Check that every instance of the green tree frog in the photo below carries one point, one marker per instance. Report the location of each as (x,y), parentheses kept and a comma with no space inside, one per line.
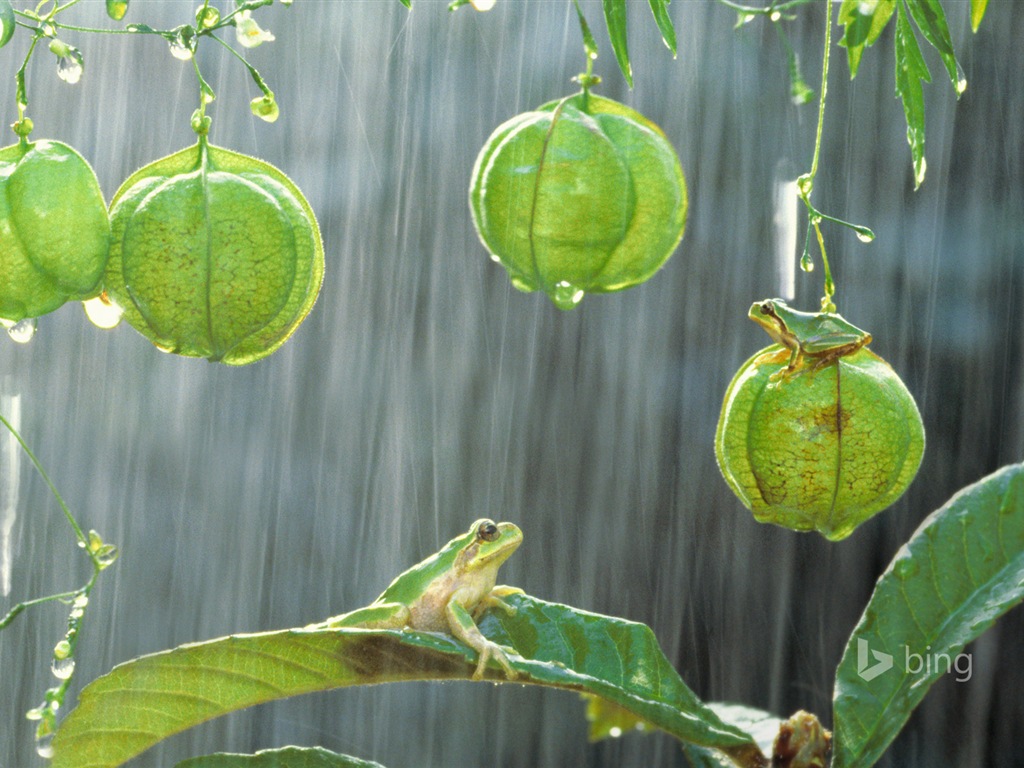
(821,336)
(448,591)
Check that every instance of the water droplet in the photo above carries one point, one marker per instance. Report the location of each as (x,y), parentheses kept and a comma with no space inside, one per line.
(286,2)
(496,258)
(102,312)
(920,172)
(565,295)
(961,80)
(865,235)
(62,668)
(615,732)
(44,746)
(21,331)
(36,713)
(81,601)
(62,650)
(521,285)
(71,66)
(206,94)
(183,45)
(775,16)
(179,50)
(482,5)
(207,16)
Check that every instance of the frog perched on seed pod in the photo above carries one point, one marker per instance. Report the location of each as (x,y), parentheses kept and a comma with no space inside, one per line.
(817,432)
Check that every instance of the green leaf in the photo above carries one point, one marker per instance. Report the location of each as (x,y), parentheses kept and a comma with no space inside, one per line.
(763,726)
(864,21)
(931,20)
(406,3)
(6,22)
(977,12)
(911,71)
(147,699)
(615,18)
(589,44)
(286,757)
(668,33)
(961,570)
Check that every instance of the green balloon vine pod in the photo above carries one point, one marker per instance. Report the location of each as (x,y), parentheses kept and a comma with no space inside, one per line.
(54,230)
(582,195)
(215,254)
(817,432)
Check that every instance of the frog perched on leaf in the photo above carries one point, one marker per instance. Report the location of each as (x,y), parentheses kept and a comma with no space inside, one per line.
(448,592)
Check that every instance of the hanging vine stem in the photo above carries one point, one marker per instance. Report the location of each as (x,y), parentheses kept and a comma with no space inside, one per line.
(101,556)
(805,185)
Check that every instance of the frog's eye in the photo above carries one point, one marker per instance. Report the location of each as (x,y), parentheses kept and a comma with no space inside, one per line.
(767,308)
(487,531)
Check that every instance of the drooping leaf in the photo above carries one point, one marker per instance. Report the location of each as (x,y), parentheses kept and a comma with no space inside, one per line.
(911,71)
(668,32)
(977,13)
(285,757)
(147,699)
(589,44)
(931,20)
(6,22)
(961,570)
(615,19)
(863,21)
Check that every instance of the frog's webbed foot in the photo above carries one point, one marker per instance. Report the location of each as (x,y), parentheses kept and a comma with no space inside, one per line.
(491,650)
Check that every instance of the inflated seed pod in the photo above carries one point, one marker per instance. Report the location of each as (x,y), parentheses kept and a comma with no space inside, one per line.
(215,254)
(54,230)
(582,195)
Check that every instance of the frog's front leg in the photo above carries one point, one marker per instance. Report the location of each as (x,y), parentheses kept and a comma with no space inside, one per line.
(461,623)
(375,616)
(494,600)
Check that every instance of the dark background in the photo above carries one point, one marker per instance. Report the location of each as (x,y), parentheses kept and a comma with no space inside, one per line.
(424,392)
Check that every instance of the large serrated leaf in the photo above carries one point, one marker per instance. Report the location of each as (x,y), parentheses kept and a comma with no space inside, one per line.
(863,21)
(6,22)
(668,32)
(615,20)
(911,71)
(960,571)
(143,701)
(285,757)
(931,20)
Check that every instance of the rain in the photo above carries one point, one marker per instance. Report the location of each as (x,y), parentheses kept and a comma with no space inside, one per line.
(424,391)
